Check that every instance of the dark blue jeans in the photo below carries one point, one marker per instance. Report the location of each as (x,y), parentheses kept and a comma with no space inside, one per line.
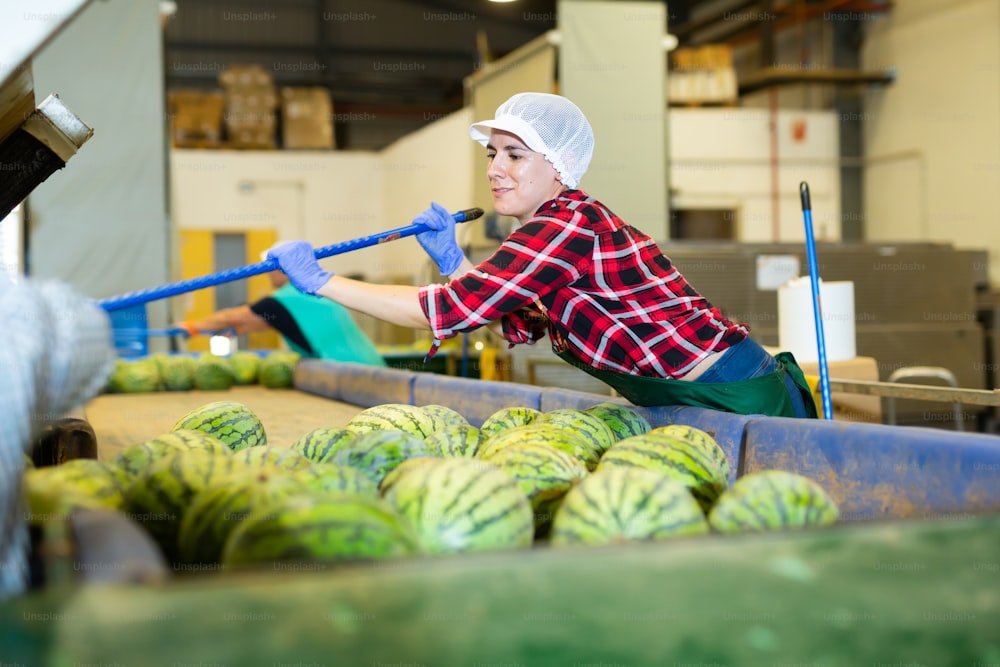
(747,360)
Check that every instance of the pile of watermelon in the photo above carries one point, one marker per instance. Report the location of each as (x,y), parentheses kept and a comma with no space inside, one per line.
(400,481)
(204,371)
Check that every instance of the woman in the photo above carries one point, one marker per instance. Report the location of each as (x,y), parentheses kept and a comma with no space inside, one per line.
(610,301)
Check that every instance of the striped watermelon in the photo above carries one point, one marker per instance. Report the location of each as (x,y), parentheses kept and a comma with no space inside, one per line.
(626,504)
(212,373)
(394,416)
(701,438)
(623,421)
(544,474)
(136,458)
(277,370)
(134,376)
(772,500)
(583,424)
(464,505)
(678,459)
(245,366)
(333,477)
(544,434)
(319,444)
(375,453)
(404,468)
(506,418)
(176,372)
(273,456)
(231,422)
(446,415)
(158,498)
(454,440)
(52,492)
(223,504)
(334,526)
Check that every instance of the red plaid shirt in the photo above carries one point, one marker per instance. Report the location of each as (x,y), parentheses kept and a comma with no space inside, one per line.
(596,285)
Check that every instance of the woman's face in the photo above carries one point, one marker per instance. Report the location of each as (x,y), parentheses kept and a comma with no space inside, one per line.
(521,179)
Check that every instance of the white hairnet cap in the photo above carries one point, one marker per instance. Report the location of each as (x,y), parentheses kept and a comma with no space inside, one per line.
(547,124)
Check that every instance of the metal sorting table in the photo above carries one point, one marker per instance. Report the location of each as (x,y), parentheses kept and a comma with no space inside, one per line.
(911,577)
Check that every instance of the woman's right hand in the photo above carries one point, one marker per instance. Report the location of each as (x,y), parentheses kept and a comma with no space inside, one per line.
(439,242)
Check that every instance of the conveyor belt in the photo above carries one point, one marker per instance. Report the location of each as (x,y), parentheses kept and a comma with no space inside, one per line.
(120,420)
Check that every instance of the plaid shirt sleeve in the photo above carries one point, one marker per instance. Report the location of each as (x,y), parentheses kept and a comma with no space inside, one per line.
(541,257)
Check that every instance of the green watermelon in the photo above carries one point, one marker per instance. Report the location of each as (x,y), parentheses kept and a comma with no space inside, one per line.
(679,459)
(273,456)
(335,477)
(158,498)
(772,500)
(623,421)
(135,376)
(244,366)
(319,444)
(549,434)
(626,504)
(231,422)
(277,370)
(544,474)
(454,440)
(446,415)
(136,458)
(334,526)
(375,453)
(223,504)
(212,373)
(54,491)
(581,423)
(177,372)
(506,418)
(464,505)
(394,416)
(403,468)
(698,437)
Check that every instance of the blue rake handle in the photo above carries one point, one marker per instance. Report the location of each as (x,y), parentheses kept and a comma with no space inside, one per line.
(175,331)
(192,284)
(824,375)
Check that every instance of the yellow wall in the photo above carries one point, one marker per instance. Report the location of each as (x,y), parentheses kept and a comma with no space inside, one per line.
(198,260)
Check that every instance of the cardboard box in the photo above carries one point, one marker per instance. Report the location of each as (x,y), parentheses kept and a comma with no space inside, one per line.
(306,118)
(251,102)
(196,118)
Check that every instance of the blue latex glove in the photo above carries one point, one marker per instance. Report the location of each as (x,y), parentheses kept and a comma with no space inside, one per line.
(440,241)
(297,261)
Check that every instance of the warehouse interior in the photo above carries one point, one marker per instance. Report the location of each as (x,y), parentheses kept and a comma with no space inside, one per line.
(824,172)
(748,100)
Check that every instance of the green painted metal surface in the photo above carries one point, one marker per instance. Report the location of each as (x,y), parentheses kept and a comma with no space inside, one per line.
(914,593)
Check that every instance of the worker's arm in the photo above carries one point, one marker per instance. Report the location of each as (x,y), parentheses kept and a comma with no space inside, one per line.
(240,318)
(466,266)
(397,304)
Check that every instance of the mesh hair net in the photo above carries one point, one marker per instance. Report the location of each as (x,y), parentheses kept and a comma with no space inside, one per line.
(548,124)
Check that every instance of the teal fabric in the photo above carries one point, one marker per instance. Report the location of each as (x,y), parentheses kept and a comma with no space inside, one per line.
(764,395)
(329,328)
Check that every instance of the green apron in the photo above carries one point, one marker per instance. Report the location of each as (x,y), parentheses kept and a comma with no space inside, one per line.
(764,395)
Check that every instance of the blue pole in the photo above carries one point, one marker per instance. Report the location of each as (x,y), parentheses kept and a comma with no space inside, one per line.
(192,284)
(824,376)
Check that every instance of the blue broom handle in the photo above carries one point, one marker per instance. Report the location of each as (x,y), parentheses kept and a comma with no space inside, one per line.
(824,376)
(192,284)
